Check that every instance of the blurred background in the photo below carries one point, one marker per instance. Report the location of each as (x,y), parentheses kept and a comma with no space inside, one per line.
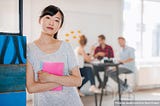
(137,20)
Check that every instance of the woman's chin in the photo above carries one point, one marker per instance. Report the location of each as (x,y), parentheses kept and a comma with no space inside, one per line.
(49,34)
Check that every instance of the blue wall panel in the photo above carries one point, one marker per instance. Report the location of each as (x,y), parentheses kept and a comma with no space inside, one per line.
(12,70)
(13,99)
(12,49)
(12,78)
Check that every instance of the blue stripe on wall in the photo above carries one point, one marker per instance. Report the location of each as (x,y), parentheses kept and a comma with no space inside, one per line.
(12,49)
(13,99)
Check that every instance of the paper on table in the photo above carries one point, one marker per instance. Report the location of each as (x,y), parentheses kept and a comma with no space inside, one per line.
(55,68)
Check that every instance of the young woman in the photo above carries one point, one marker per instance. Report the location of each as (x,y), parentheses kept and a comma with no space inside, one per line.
(86,71)
(49,48)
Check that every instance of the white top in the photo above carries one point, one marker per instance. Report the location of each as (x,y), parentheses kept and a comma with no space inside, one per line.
(80,58)
(69,95)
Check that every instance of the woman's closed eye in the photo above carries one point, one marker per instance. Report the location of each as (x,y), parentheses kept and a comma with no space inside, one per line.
(57,20)
(47,17)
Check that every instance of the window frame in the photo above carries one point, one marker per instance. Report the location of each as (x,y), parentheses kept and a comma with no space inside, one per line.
(20,33)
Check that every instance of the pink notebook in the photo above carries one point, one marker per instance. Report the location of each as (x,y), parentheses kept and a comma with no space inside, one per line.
(54,68)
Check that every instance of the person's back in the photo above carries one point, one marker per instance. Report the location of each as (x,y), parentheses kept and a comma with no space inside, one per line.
(80,58)
(85,71)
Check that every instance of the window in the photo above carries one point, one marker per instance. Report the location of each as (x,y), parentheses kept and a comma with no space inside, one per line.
(142,27)
(11,17)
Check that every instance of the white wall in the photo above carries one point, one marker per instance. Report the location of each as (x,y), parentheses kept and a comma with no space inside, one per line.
(91,17)
(9,18)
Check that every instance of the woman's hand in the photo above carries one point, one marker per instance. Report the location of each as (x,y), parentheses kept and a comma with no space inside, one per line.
(74,79)
(35,86)
(43,77)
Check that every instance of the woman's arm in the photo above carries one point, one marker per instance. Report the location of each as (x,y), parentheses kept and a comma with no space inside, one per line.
(92,50)
(86,57)
(33,86)
(74,79)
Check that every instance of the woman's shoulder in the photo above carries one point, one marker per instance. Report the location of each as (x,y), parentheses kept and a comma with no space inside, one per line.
(78,50)
(31,46)
(66,44)
(67,47)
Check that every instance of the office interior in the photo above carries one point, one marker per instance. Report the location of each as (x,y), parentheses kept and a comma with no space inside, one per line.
(136,20)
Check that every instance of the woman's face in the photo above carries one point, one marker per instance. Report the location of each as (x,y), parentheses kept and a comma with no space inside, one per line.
(51,24)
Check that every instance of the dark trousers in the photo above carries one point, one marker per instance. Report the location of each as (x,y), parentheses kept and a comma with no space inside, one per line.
(97,70)
(122,70)
(87,73)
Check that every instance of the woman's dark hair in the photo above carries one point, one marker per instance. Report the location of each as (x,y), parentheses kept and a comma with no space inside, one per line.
(83,40)
(52,10)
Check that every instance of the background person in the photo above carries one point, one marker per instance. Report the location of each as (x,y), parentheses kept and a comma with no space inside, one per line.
(85,71)
(127,58)
(103,50)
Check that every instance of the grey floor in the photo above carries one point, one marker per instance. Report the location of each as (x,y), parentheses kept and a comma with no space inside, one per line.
(108,100)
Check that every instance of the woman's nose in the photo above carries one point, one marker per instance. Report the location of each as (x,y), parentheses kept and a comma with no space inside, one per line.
(51,23)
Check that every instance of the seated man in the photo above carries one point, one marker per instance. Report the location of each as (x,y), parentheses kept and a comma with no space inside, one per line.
(127,58)
(103,50)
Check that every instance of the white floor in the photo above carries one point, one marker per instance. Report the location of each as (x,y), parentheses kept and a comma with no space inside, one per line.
(108,100)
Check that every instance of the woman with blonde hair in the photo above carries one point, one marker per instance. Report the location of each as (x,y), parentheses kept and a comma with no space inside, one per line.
(85,71)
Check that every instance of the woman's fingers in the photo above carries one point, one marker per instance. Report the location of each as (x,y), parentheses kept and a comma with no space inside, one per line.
(43,76)
(39,72)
